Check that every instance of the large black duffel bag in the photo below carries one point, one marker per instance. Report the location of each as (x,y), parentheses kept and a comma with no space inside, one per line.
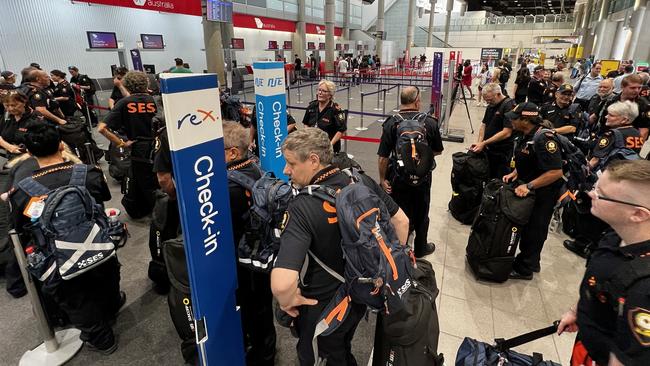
(410,337)
(179,298)
(469,173)
(76,135)
(496,231)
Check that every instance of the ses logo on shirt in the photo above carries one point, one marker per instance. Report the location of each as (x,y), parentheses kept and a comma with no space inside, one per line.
(197,118)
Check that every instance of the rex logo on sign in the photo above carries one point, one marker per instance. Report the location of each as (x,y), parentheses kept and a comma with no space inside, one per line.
(195,119)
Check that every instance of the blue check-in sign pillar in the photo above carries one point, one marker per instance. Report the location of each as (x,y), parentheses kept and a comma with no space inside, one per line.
(194,128)
(271,109)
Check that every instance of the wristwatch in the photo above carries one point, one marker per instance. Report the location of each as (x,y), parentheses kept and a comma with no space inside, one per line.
(530,186)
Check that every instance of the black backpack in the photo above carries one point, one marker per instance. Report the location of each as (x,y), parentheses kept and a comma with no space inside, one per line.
(504,75)
(410,338)
(260,243)
(496,231)
(576,171)
(413,159)
(119,158)
(72,231)
(75,134)
(469,173)
(379,271)
(165,225)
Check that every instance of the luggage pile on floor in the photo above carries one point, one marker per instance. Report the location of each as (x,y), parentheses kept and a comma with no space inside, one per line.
(468,176)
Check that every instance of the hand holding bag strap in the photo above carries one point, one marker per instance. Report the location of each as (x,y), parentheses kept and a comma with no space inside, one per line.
(506,344)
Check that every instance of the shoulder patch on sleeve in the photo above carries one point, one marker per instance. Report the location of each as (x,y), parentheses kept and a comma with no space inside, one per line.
(551,146)
(604,142)
(285,221)
(639,321)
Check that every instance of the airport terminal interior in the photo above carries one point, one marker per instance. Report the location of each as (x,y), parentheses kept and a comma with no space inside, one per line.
(372,51)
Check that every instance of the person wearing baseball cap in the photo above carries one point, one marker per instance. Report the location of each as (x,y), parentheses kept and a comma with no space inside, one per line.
(537,167)
(8,80)
(562,113)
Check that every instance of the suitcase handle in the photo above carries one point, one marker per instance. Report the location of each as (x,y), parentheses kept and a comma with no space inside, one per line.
(503,345)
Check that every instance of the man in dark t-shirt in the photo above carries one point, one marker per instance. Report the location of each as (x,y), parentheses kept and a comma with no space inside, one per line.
(308,227)
(495,136)
(133,115)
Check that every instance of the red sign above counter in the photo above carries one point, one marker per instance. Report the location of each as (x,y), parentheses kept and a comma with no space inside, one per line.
(189,7)
(257,22)
(320,29)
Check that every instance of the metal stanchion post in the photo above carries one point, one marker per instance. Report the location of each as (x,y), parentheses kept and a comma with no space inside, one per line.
(299,95)
(349,116)
(378,96)
(311,88)
(398,98)
(361,128)
(384,108)
(289,95)
(57,348)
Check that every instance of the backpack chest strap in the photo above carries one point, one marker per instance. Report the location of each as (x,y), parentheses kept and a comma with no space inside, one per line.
(78,177)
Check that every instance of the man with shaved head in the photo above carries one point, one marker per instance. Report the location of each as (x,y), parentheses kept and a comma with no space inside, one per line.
(612,316)
(41,98)
(412,198)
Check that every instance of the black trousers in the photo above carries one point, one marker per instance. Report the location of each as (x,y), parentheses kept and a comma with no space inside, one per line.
(90,112)
(499,162)
(414,201)
(535,232)
(336,347)
(91,302)
(256,301)
(503,89)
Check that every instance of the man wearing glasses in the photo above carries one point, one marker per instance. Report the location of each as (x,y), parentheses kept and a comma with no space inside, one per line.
(612,316)
(413,199)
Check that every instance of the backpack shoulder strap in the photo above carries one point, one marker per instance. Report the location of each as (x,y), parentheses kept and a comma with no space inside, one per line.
(78,177)
(33,188)
(326,267)
(629,274)
(241,179)
(619,141)
(323,193)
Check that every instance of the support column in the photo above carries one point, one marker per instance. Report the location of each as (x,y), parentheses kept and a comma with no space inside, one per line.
(330,12)
(600,30)
(346,19)
(299,40)
(450,7)
(586,39)
(379,25)
(636,25)
(576,30)
(213,47)
(430,36)
(410,27)
(463,8)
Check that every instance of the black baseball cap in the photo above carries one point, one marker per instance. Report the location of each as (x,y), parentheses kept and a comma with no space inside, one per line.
(565,89)
(178,60)
(36,65)
(525,109)
(73,68)
(7,74)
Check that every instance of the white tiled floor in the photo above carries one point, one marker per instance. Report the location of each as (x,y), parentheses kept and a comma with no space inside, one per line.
(469,308)
(481,310)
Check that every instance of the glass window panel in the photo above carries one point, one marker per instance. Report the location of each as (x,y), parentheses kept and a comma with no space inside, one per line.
(339,17)
(318,13)
(259,3)
(318,4)
(275,4)
(291,8)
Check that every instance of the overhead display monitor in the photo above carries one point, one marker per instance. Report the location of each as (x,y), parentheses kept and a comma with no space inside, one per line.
(102,40)
(237,43)
(359,47)
(311,46)
(346,46)
(219,11)
(273,45)
(287,45)
(338,47)
(321,46)
(152,41)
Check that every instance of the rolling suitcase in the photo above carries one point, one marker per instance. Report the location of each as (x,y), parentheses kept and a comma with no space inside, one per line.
(477,353)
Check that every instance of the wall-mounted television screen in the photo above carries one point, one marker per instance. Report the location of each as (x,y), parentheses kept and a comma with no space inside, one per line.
(321,46)
(287,45)
(273,45)
(338,46)
(237,43)
(346,46)
(102,40)
(152,41)
(311,46)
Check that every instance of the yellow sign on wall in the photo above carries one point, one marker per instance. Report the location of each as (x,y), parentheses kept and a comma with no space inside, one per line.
(608,65)
(579,52)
